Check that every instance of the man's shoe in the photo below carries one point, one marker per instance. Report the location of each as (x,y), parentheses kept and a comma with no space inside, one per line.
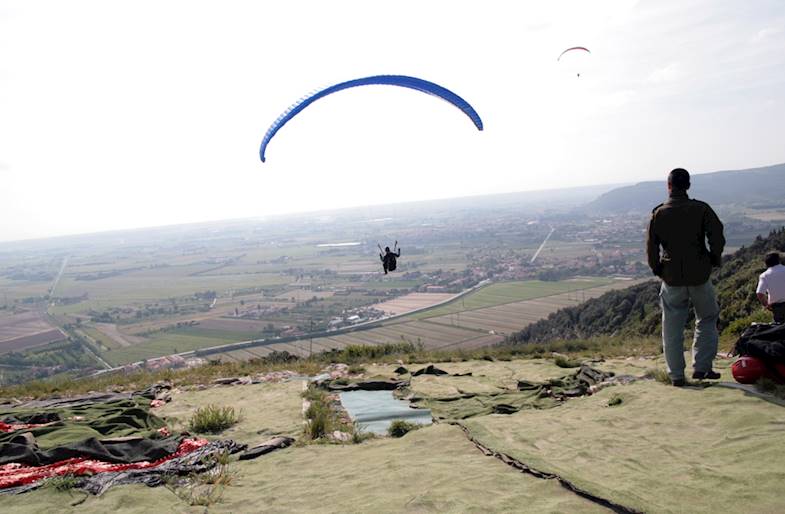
(678,382)
(706,375)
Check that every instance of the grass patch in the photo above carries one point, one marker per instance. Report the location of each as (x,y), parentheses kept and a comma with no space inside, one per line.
(322,418)
(566,362)
(204,489)
(319,420)
(615,400)
(62,483)
(400,428)
(360,436)
(354,355)
(212,419)
(660,375)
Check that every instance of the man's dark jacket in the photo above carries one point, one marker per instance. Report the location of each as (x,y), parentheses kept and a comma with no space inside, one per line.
(681,226)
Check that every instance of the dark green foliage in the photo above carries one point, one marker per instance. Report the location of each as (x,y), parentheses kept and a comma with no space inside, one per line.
(62,482)
(631,311)
(318,415)
(276,357)
(635,310)
(736,327)
(615,400)
(400,428)
(361,353)
(322,415)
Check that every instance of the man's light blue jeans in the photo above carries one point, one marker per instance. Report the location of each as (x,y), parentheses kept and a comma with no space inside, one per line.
(674,301)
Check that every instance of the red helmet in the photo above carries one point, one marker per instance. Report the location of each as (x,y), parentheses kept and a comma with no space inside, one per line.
(748,370)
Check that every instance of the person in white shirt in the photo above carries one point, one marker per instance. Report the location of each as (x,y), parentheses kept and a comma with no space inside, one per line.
(771,287)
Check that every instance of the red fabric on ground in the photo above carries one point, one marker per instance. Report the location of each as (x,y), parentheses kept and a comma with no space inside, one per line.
(11,427)
(12,475)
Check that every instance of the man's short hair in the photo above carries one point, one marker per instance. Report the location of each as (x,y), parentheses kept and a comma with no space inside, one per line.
(772,259)
(679,179)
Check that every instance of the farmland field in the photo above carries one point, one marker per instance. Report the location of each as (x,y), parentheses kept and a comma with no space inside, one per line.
(509,292)
(164,344)
(510,317)
(26,329)
(497,310)
(411,302)
(31,341)
(21,324)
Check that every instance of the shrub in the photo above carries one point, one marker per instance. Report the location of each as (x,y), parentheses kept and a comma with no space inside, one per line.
(738,326)
(358,352)
(319,417)
(660,375)
(358,435)
(62,482)
(356,369)
(400,428)
(564,362)
(212,419)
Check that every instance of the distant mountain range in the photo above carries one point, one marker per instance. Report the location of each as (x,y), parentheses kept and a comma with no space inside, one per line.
(755,187)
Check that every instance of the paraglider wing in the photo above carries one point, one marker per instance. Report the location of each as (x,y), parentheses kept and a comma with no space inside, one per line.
(390,80)
(571,49)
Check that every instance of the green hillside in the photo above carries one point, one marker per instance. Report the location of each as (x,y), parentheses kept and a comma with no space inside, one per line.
(635,311)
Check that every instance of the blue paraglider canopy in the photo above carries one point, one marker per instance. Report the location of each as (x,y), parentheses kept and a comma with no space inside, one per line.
(390,80)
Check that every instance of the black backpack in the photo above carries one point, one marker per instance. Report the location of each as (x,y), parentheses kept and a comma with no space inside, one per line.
(390,261)
(764,341)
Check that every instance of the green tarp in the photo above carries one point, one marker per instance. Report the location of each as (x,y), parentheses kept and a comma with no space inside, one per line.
(86,430)
(662,449)
(528,395)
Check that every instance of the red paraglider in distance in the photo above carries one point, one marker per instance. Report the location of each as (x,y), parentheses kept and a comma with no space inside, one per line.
(573,48)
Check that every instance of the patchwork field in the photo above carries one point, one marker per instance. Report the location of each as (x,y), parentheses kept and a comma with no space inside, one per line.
(164,344)
(26,330)
(510,317)
(412,302)
(300,295)
(481,318)
(31,341)
(509,292)
(21,324)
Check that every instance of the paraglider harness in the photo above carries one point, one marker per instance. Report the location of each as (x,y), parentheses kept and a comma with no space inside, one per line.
(389,258)
(765,342)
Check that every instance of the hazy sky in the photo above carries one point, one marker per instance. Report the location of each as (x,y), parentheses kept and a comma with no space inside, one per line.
(127,114)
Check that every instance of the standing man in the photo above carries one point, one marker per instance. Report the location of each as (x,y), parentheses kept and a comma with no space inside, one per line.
(771,287)
(681,226)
